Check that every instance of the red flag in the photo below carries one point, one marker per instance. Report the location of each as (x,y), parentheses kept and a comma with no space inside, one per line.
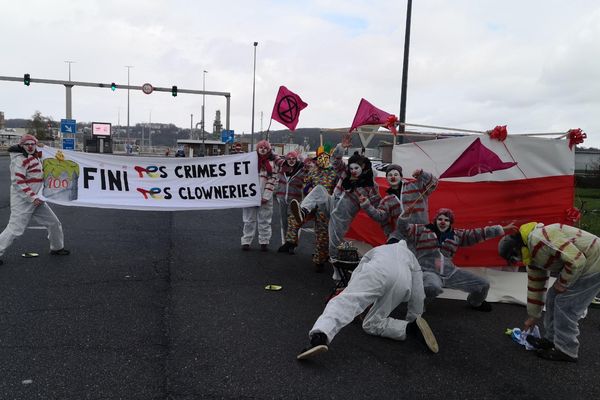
(368,114)
(287,108)
(476,159)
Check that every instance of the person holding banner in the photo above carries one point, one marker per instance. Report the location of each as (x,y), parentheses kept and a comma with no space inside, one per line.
(26,181)
(290,185)
(261,216)
(409,199)
(436,243)
(574,255)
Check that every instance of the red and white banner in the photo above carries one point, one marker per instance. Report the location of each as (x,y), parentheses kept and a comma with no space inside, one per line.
(540,187)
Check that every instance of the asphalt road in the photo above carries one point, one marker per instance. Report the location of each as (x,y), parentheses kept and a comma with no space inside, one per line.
(164,305)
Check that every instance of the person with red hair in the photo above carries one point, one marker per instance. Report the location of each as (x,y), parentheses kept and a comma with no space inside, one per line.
(262,215)
(436,243)
(27,180)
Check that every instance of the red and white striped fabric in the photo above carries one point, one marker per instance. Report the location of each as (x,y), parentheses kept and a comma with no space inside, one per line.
(540,188)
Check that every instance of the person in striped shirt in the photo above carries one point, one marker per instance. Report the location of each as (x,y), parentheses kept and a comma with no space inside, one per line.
(319,184)
(262,215)
(289,187)
(574,255)
(343,205)
(407,198)
(27,179)
(435,245)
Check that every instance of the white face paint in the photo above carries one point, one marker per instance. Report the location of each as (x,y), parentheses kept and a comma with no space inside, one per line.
(442,222)
(262,150)
(291,161)
(355,170)
(30,147)
(393,177)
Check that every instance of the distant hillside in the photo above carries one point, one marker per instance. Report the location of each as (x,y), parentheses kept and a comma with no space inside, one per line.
(312,136)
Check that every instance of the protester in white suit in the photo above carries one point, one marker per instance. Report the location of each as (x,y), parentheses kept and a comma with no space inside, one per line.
(26,180)
(262,215)
(387,276)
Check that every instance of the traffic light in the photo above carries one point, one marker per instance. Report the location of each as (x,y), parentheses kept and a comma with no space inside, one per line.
(26,79)
(113,86)
(174,91)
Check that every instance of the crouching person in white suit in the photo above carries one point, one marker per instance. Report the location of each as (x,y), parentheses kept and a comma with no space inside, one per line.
(386,276)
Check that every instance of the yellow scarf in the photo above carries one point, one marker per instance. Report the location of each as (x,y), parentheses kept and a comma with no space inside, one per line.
(525,230)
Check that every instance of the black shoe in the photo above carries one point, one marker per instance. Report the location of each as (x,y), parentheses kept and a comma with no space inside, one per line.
(319,268)
(420,329)
(245,247)
(298,213)
(555,355)
(287,247)
(485,307)
(61,252)
(539,343)
(263,247)
(1,262)
(318,345)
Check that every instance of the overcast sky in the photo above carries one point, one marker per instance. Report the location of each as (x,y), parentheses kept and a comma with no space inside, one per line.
(474,64)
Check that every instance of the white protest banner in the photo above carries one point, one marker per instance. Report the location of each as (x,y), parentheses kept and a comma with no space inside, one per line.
(150,183)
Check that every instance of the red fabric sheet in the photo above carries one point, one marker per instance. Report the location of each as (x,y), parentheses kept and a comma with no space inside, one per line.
(478,204)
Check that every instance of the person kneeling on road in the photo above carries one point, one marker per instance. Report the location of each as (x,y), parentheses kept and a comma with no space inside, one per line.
(436,244)
(26,180)
(386,276)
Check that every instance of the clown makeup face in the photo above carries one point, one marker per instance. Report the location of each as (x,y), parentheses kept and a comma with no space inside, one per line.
(291,161)
(30,147)
(323,160)
(355,170)
(262,150)
(393,177)
(442,222)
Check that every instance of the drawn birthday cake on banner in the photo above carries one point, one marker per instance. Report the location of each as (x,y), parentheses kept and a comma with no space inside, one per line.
(60,178)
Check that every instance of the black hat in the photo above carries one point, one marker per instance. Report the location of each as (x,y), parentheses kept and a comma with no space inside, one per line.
(509,247)
(392,167)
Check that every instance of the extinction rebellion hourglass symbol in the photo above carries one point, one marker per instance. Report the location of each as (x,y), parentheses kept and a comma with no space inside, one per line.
(287,109)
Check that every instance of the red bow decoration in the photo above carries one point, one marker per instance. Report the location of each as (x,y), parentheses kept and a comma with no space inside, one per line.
(391,124)
(572,215)
(499,133)
(575,136)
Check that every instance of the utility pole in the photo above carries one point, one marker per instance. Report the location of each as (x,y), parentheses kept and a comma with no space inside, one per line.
(404,73)
(253,95)
(128,68)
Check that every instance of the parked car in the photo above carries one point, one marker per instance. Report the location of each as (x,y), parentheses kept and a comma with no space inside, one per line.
(180,153)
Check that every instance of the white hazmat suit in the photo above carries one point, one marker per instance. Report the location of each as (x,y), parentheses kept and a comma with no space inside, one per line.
(26,181)
(386,276)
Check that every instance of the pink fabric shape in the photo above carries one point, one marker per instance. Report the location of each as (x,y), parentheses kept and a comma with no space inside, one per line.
(368,114)
(287,108)
(476,159)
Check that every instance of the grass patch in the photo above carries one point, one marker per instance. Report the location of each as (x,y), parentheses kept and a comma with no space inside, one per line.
(587,200)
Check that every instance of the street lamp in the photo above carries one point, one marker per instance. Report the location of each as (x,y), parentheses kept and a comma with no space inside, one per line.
(128,68)
(70,62)
(253,93)
(202,124)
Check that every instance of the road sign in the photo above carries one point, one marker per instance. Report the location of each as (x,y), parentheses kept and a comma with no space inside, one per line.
(68,144)
(227,136)
(237,147)
(68,126)
(147,88)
